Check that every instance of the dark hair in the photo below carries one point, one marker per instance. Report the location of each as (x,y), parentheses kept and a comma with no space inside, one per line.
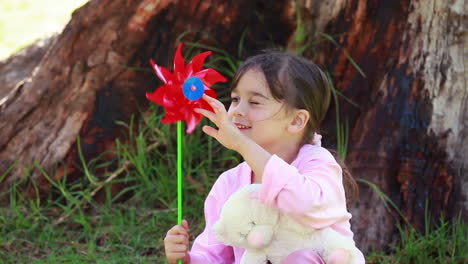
(297,81)
(301,84)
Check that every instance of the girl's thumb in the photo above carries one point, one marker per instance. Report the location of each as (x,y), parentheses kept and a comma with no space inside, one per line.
(185,224)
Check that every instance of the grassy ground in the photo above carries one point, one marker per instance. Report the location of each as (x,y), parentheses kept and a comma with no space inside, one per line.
(125,220)
(98,227)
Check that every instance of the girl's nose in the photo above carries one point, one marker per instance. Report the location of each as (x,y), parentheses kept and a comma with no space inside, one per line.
(237,110)
(238,113)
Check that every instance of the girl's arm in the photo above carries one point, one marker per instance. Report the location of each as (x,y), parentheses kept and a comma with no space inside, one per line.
(311,190)
(256,156)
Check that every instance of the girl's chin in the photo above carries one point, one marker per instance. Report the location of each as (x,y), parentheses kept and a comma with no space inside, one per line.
(247,132)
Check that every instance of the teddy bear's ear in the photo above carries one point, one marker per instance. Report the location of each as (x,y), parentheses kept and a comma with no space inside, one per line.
(260,236)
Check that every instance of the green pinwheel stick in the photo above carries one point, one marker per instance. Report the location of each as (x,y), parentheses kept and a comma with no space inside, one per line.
(180,94)
(179,173)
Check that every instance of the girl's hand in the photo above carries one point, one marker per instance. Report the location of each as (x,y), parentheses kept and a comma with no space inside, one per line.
(227,134)
(176,243)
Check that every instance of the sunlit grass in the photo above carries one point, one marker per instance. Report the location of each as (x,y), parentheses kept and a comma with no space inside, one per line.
(24,21)
(129,225)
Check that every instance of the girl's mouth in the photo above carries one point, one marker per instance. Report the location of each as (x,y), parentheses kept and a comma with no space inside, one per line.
(242,127)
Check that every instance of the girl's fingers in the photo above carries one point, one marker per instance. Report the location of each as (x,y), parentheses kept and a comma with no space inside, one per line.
(219,114)
(185,225)
(217,105)
(176,239)
(210,131)
(178,255)
(208,114)
(179,248)
(177,230)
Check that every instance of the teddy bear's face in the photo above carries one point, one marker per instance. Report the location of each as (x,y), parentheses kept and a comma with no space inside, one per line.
(234,224)
(240,215)
(233,234)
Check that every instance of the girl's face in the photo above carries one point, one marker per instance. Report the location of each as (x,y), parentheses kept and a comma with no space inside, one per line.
(256,113)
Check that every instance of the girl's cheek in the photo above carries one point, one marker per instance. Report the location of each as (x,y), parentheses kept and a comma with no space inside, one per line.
(259,115)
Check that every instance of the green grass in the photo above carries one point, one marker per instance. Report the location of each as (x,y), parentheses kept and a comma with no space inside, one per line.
(114,235)
(24,21)
(129,224)
(444,243)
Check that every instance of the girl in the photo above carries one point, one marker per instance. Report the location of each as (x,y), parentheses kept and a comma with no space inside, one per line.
(278,102)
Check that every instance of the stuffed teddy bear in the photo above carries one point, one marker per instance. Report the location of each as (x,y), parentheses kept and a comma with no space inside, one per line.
(268,234)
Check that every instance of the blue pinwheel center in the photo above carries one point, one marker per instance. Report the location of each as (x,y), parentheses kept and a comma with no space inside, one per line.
(193,88)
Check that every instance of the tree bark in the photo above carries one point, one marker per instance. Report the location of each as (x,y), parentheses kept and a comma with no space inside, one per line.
(408,133)
(409,130)
(17,69)
(83,84)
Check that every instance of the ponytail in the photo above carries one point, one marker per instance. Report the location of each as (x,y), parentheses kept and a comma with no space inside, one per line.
(349,183)
(350,186)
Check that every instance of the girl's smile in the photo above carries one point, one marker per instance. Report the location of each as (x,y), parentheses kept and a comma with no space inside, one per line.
(242,126)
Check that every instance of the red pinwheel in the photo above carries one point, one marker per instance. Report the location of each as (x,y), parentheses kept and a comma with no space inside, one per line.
(183,89)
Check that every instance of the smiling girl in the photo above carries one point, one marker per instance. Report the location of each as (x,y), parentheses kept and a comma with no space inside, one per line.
(278,103)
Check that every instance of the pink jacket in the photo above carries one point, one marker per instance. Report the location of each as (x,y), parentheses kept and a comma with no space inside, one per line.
(309,189)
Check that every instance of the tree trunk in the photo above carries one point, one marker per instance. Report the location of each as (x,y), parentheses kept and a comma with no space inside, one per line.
(409,131)
(408,134)
(17,69)
(84,84)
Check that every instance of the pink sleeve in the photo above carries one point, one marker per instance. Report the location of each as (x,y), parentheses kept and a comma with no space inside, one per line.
(314,196)
(206,249)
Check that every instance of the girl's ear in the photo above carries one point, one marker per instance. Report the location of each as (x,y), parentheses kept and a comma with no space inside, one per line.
(299,121)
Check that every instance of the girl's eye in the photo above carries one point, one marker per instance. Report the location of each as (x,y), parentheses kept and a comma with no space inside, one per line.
(254,103)
(234,99)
